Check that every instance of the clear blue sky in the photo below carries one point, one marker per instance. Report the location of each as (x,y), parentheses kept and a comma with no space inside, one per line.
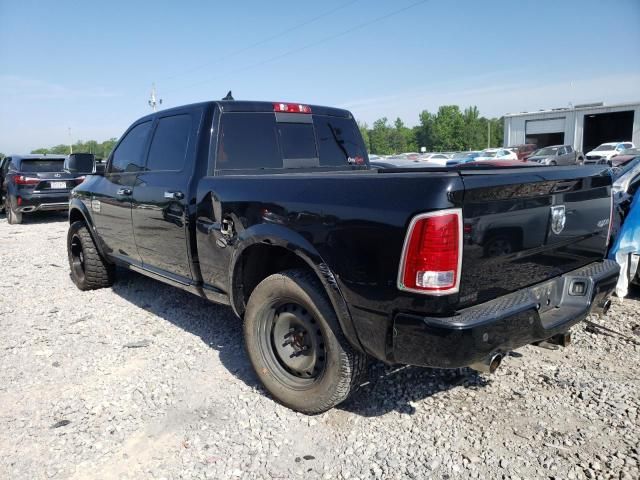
(89,65)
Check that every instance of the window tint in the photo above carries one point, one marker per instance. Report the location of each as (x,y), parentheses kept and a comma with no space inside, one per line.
(35,166)
(169,145)
(569,149)
(127,157)
(339,141)
(562,151)
(248,140)
(297,140)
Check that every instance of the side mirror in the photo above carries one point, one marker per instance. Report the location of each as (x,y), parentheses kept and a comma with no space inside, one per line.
(79,163)
(99,168)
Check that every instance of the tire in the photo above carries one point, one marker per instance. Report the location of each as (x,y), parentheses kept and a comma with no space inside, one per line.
(13,217)
(296,346)
(553,163)
(499,246)
(89,271)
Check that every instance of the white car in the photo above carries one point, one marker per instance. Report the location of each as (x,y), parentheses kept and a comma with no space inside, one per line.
(496,154)
(604,152)
(437,158)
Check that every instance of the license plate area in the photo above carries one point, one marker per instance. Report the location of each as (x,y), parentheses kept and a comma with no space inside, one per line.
(58,185)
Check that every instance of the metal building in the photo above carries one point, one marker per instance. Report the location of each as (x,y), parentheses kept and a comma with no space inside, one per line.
(583,126)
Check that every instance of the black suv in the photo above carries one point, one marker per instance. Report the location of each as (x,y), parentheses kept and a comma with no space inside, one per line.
(31,183)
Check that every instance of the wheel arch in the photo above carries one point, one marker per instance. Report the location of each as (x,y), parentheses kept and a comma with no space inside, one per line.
(283,249)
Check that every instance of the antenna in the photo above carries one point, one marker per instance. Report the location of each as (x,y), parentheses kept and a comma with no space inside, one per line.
(70,141)
(153,103)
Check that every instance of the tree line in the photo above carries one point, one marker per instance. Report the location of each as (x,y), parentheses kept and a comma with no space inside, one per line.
(99,149)
(450,129)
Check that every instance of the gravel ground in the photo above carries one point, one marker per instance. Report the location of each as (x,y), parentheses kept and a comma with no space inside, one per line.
(146,381)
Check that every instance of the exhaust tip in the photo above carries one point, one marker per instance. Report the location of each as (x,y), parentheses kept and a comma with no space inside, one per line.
(488,365)
(606,306)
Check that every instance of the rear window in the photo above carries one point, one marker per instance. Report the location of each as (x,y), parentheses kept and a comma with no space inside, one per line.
(256,141)
(37,166)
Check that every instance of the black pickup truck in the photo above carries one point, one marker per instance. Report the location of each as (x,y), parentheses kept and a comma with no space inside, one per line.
(272,208)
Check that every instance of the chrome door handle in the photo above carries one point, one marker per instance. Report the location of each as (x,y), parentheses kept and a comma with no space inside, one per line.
(124,191)
(174,195)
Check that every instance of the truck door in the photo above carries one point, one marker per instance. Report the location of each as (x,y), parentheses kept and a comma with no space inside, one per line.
(111,200)
(160,201)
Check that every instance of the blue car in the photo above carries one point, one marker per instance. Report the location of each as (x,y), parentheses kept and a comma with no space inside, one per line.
(463,157)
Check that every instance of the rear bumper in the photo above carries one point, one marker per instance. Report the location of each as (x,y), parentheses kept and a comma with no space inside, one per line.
(36,202)
(504,324)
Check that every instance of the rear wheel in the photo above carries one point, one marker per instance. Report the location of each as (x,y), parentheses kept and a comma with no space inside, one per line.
(13,217)
(89,271)
(553,163)
(296,346)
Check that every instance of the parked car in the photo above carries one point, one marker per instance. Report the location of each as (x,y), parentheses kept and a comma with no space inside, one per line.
(438,158)
(604,152)
(557,155)
(625,156)
(32,183)
(400,163)
(463,157)
(496,154)
(523,151)
(278,214)
(625,246)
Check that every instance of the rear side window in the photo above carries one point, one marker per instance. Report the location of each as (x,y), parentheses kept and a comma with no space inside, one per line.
(37,166)
(248,141)
(339,141)
(127,157)
(169,144)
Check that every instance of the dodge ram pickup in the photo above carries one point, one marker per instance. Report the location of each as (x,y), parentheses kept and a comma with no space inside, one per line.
(273,209)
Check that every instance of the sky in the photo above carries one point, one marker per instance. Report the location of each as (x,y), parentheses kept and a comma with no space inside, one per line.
(81,70)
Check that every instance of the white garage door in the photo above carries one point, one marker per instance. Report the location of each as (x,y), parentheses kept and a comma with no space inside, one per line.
(551,125)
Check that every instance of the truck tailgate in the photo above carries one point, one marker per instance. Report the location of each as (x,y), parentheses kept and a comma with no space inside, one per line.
(524,226)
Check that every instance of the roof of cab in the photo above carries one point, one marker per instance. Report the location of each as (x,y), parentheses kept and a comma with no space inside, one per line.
(251,106)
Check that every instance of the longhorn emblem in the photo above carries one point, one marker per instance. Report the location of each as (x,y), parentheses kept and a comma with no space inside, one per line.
(558,219)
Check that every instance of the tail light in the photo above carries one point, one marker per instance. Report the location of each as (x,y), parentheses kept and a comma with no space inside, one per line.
(432,254)
(291,108)
(79,179)
(22,180)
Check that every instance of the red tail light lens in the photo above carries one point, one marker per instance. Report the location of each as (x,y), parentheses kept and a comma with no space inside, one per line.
(79,180)
(432,254)
(291,108)
(22,180)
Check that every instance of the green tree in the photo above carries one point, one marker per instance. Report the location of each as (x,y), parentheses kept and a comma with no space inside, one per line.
(472,138)
(423,133)
(379,137)
(448,128)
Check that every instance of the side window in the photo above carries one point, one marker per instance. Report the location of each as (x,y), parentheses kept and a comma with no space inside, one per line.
(568,149)
(169,144)
(127,157)
(248,141)
(562,151)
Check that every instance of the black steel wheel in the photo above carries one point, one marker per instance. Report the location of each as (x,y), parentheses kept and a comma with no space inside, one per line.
(295,344)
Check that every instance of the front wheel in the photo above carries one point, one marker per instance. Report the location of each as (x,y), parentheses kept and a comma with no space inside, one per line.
(296,346)
(89,271)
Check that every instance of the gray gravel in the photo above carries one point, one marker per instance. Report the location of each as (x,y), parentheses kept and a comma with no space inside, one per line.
(146,381)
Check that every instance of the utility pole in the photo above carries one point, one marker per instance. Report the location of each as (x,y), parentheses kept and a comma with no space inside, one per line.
(153,102)
(70,141)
